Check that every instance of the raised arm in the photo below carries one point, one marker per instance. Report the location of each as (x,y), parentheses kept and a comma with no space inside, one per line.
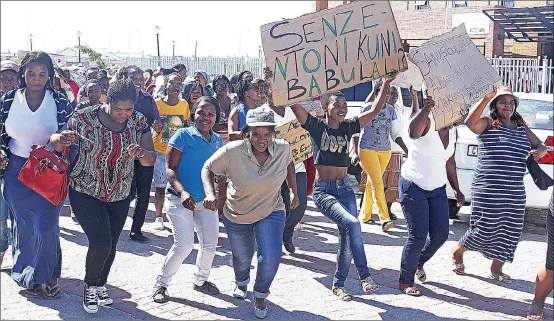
(420,124)
(300,113)
(415,103)
(376,107)
(475,120)
(233,125)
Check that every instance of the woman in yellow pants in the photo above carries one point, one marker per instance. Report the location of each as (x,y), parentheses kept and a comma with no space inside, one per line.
(375,153)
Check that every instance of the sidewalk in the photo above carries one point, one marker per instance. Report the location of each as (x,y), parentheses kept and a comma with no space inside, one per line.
(302,288)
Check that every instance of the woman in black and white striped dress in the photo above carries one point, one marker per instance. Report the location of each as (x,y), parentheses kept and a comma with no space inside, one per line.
(498,191)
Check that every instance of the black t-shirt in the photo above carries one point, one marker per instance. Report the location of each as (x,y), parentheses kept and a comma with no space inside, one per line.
(331,146)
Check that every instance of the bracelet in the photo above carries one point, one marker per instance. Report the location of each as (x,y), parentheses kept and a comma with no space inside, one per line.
(143,153)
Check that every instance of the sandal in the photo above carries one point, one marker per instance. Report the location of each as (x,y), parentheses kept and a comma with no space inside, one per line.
(368,285)
(459,268)
(342,294)
(388,225)
(504,278)
(409,290)
(536,312)
(421,275)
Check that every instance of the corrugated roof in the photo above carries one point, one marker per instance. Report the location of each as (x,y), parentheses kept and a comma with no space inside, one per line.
(525,24)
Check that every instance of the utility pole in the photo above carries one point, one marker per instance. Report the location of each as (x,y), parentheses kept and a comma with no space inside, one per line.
(173,48)
(31,41)
(79,44)
(195,48)
(157,29)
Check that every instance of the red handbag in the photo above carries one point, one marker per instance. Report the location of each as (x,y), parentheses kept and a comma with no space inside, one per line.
(46,174)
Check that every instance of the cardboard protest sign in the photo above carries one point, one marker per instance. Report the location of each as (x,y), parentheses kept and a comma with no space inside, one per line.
(456,74)
(331,49)
(298,138)
(410,77)
(313,107)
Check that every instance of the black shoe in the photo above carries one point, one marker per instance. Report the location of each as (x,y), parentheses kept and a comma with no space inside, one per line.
(207,288)
(139,238)
(289,247)
(52,289)
(35,292)
(393,217)
(160,295)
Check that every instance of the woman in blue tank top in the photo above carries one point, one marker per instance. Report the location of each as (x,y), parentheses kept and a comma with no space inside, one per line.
(249,95)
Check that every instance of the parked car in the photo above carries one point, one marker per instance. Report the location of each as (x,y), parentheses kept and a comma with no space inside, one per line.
(537,110)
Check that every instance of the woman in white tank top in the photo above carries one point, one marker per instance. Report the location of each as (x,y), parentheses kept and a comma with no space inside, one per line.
(422,188)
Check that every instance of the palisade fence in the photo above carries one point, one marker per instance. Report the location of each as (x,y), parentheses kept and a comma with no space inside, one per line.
(521,74)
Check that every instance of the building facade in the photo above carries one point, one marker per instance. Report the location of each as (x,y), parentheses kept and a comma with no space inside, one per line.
(418,21)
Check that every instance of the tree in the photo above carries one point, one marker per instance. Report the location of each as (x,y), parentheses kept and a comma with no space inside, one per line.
(93,56)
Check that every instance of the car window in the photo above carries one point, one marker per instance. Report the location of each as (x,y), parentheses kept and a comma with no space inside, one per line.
(538,114)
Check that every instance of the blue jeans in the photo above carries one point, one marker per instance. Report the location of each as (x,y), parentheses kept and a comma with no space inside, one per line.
(426,213)
(5,232)
(294,215)
(336,200)
(268,234)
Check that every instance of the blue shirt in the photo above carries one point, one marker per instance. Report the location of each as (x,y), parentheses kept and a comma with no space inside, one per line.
(242,111)
(375,135)
(196,151)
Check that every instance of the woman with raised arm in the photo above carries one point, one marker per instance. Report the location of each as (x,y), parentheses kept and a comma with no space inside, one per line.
(422,188)
(333,194)
(249,95)
(498,192)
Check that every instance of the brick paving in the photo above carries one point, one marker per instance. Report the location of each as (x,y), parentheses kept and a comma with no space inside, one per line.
(302,288)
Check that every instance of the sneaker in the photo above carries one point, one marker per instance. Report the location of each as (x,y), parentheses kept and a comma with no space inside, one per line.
(289,247)
(241,292)
(103,296)
(207,288)
(159,224)
(139,237)
(260,308)
(90,299)
(160,294)
(393,216)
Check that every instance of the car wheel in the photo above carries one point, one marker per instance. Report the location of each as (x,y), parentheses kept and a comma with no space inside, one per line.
(453,209)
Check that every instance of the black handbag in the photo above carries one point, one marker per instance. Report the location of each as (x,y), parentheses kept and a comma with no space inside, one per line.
(541,179)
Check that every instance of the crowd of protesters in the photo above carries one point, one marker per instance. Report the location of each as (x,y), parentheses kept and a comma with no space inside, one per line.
(209,147)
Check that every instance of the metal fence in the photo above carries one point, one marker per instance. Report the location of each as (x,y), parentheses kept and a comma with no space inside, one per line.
(521,74)
(526,74)
(212,65)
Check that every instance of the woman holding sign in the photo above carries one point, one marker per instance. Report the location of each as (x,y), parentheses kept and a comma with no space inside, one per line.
(333,194)
(285,116)
(498,203)
(422,188)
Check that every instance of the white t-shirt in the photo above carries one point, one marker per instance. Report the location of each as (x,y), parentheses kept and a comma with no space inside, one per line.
(27,128)
(281,120)
(426,163)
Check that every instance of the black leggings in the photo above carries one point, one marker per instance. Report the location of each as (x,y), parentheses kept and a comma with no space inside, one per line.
(140,188)
(102,223)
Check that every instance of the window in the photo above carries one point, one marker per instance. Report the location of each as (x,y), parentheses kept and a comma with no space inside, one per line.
(508,4)
(550,2)
(459,4)
(421,5)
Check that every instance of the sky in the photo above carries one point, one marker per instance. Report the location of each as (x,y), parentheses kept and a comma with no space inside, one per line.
(220,28)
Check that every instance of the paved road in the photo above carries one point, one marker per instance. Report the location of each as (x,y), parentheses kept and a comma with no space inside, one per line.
(301,290)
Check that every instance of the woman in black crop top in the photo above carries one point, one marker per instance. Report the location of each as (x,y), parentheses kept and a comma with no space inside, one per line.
(333,194)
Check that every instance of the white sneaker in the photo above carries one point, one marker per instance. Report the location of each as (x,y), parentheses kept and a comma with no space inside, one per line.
(103,296)
(159,222)
(90,299)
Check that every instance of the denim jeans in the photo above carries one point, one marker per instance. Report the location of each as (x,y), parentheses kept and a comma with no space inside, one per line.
(4,230)
(102,223)
(268,235)
(294,215)
(426,213)
(184,223)
(336,200)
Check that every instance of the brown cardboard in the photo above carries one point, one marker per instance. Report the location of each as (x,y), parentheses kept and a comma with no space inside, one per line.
(456,74)
(298,138)
(331,49)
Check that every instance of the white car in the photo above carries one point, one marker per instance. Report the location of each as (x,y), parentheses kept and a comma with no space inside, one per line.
(537,110)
